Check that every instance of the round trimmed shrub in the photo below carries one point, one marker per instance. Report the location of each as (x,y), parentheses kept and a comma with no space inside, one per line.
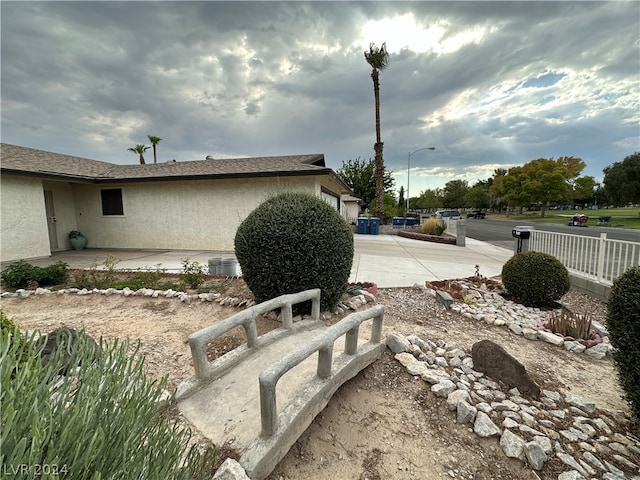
(535,279)
(293,242)
(623,324)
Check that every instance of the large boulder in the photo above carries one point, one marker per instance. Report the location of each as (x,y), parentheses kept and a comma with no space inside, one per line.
(494,361)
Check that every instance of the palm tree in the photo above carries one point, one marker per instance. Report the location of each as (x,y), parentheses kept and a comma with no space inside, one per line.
(154,141)
(378,58)
(139,149)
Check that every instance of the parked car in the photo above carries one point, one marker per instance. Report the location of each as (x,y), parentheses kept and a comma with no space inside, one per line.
(476,214)
(451,214)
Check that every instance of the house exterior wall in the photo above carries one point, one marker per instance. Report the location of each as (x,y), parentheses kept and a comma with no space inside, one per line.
(23,232)
(64,204)
(189,215)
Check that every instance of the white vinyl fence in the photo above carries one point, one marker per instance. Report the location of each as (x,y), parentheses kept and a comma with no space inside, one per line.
(597,258)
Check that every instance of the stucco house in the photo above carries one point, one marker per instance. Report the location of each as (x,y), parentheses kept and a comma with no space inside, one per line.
(191,205)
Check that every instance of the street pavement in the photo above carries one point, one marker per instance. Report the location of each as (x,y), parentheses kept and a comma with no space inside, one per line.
(387,260)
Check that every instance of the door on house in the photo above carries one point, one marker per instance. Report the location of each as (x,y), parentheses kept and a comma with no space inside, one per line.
(51,219)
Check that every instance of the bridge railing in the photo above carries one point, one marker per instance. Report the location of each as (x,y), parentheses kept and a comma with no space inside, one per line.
(598,258)
(198,341)
(324,345)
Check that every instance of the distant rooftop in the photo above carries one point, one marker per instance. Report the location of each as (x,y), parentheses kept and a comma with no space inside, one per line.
(40,163)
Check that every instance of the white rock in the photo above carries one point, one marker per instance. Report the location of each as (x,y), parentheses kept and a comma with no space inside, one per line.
(484,427)
(551,338)
(535,455)
(456,397)
(443,388)
(512,445)
(230,470)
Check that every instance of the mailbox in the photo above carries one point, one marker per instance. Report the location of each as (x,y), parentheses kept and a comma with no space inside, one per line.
(522,234)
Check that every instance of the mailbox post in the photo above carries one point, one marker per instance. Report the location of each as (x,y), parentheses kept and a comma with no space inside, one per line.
(522,235)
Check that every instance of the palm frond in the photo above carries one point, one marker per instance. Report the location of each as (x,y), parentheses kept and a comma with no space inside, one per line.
(377,57)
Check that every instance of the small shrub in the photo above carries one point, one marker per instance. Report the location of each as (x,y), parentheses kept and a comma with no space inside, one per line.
(433,226)
(570,324)
(101,422)
(535,279)
(192,274)
(19,274)
(623,323)
(95,277)
(22,274)
(294,242)
(141,279)
(55,274)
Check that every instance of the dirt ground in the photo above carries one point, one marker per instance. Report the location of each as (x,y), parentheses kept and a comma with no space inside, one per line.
(384,423)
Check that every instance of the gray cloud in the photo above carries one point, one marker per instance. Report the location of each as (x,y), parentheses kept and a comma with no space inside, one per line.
(486,83)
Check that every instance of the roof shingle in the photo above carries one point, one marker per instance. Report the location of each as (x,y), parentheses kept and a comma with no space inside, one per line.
(25,160)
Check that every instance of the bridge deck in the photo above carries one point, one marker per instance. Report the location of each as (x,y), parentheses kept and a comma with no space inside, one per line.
(228,409)
(260,399)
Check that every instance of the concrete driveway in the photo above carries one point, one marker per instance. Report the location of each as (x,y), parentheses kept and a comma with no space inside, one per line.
(387,260)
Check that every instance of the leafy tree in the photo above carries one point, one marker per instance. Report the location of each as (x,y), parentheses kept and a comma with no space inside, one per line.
(583,189)
(454,192)
(429,199)
(154,141)
(139,149)
(478,195)
(378,58)
(496,189)
(390,207)
(359,175)
(512,188)
(622,180)
(547,181)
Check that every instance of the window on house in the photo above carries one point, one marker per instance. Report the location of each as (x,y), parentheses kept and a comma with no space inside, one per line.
(112,201)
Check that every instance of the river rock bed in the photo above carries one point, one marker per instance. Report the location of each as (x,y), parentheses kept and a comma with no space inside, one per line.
(567,427)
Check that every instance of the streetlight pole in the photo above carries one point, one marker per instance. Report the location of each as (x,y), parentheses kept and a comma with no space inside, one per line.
(409,169)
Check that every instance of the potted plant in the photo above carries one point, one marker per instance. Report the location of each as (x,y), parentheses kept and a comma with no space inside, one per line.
(77,239)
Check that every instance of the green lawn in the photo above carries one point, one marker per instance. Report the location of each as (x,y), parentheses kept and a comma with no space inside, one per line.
(620,217)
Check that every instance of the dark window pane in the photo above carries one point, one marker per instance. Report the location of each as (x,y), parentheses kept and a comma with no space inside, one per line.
(112,201)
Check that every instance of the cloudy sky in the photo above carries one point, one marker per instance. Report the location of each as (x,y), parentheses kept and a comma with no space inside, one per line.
(487,84)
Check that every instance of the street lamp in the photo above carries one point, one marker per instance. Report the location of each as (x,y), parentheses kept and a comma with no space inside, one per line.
(409,169)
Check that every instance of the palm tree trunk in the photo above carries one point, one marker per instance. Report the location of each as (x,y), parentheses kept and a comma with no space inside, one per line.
(154,153)
(142,162)
(377,148)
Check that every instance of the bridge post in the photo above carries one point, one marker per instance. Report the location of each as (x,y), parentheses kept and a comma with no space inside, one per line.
(351,341)
(268,408)
(287,316)
(376,328)
(325,359)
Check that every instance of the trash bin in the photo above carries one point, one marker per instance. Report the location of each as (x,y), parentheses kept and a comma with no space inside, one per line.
(363,225)
(398,221)
(215,266)
(228,267)
(410,221)
(374,225)
(522,235)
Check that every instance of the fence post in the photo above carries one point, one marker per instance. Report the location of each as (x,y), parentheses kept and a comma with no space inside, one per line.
(602,245)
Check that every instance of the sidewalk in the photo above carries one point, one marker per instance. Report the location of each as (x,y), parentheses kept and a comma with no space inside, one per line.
(387,260)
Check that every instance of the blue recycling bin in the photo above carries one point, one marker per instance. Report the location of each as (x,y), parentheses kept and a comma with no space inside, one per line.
(398,221)
(374,225)
(411,221)
(363,225)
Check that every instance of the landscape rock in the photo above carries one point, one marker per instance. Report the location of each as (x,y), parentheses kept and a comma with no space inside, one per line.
(484,426)
(493,360)
(230,470)
(535,455)
(398,343)
(512,445)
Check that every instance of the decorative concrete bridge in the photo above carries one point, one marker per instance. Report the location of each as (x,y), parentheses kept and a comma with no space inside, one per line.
(263,395)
